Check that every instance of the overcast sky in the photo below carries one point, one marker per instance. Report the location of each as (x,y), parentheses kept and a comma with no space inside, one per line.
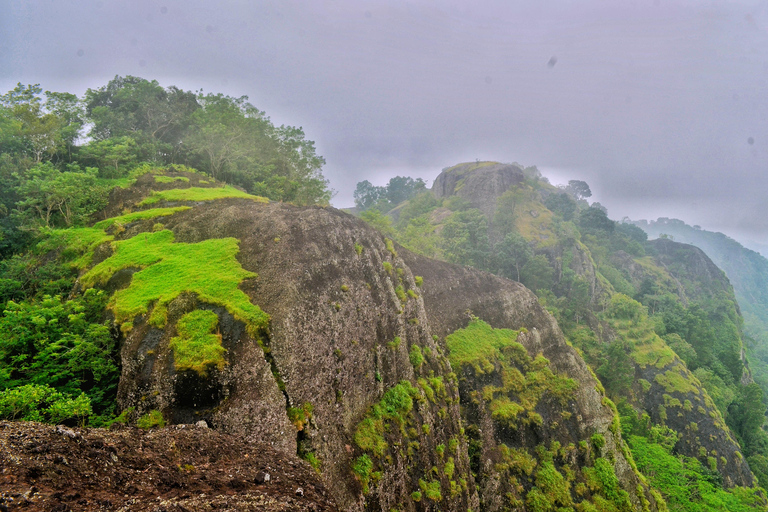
(660,105)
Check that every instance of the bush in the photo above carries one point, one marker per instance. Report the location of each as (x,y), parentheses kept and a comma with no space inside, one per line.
(34,402)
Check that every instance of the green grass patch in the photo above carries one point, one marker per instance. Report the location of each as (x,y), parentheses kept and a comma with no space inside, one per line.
(170,179)
(525,380)
(208,269)
(197,347)
(479,345)
(77,244)
(140,215)
(199,194)
(153,418)
(394,406)
(673,380)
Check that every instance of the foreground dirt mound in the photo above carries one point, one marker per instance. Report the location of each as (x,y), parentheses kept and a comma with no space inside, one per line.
(180,468)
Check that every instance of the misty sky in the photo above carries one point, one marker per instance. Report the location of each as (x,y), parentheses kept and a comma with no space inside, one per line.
(660,105)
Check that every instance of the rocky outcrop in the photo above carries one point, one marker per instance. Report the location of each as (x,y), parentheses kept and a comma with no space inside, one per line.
(479,183)
(453,295)
(351,372)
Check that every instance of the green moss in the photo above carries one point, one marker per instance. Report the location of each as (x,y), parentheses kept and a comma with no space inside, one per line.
(362,468)
(153,418)
(170,179)
(431,489)
(412,294)
(395,343)
(416,356)
(674,381)
(300,416)
(208,269)
(199,194)
(400,292)
(394,406)
(388,267)
(197,347)
(419,280)
(478,345)
(140,215)
(390,247)
(358,249)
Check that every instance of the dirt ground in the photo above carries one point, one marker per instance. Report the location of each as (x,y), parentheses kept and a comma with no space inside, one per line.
(174,469)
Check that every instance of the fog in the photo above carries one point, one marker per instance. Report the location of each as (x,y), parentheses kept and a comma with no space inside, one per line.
(659,105)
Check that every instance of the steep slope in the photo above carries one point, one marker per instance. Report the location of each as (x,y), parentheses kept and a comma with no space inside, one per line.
(562,422)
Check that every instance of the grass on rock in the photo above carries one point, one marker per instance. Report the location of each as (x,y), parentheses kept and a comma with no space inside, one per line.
(197,347)
(199,194)
(140,215)
(208,269)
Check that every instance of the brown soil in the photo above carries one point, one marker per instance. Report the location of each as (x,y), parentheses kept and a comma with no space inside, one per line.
(179,468)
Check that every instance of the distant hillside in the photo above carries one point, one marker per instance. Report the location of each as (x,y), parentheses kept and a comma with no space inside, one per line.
(746,269)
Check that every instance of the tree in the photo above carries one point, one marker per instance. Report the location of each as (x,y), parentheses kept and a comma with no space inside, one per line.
(537,273)
(506,209)
(513,252)
(228,132)
(561,204)
(465,238)
(617,371)
(367,195)
(50,194)
(596,221)
(578,189)
(402,188)
(111,154)
(155,117)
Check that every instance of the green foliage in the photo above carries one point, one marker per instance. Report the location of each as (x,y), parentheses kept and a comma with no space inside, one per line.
(385,198)
(379,221)
(63,344)
(153,418)
(416,357)
(686,484)
(198,194)
(537,273)
(362,468)
(465,238)
(50,197)
(171,179)
(300,416)
(208,269)
(35,402)
(196,347)
(394,406)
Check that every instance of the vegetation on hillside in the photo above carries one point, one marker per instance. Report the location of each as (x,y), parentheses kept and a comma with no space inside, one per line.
(613,296)
(60,156)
